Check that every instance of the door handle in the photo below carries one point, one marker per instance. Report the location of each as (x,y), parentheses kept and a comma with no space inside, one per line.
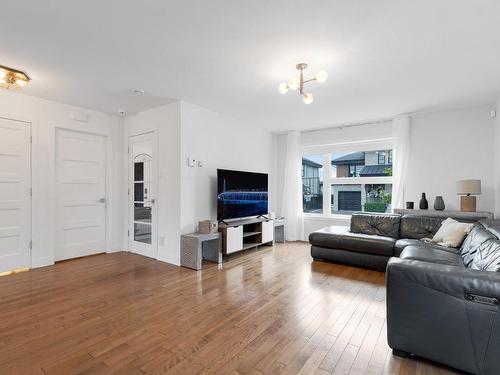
(102,200)
(152,201)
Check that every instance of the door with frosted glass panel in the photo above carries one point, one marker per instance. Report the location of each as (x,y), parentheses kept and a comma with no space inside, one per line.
(142,192)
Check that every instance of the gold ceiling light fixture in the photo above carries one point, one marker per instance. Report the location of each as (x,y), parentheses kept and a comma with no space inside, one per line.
(298,83)
(13,78)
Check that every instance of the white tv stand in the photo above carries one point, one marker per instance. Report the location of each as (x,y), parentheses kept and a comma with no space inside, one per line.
(245,234)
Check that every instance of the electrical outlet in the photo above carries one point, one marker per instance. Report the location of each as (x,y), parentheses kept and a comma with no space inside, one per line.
(191,162)
(161,241)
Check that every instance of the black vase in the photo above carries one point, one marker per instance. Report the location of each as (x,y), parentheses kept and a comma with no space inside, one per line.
(439,203)
(424,205)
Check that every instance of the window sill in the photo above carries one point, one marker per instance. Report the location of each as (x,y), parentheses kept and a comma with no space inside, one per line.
(327,217)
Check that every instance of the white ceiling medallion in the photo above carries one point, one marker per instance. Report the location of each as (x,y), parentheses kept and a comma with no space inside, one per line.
(298,83)
(137,91)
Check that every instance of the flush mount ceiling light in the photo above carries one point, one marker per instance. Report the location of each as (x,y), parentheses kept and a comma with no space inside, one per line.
(13,78)
(298,83)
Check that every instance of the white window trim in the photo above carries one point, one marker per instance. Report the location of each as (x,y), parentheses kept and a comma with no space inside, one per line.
(329,180)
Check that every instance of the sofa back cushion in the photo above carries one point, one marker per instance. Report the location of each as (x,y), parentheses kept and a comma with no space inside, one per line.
(492,226)
(386,225)
(473,241)
(418,227)
(487,256)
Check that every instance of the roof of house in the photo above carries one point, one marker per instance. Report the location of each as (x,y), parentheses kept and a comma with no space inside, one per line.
(311,163)
(375,170)
(352,159)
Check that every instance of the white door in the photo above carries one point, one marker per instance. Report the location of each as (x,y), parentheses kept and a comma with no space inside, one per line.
(81,194)
(142,192)
(15,197)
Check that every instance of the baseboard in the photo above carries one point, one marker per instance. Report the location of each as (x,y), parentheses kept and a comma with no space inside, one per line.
(169,258)
(42,262)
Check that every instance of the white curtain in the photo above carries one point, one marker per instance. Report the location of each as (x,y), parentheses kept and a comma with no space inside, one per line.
(401,152)
(291,206)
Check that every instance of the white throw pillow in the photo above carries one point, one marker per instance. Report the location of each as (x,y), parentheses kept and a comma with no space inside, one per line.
(452,233)
(439,236)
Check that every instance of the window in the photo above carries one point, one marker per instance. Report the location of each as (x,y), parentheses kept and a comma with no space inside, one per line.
(354,171)
(381,157)
(358,181)
(312,183)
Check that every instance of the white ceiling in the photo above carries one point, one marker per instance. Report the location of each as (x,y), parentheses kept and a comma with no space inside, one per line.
(383,57)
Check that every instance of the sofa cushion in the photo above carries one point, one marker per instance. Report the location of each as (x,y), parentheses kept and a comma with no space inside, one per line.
(471,244)
(401,244)
(452,233)
(487,256)
(432,254)
(418,227)
(492,225)
(386,225)
(335,237)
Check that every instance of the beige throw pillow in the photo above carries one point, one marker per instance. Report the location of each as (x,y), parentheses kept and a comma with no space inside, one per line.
(452,233)
(439,236)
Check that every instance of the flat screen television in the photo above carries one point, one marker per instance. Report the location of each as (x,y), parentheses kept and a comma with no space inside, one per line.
(241,194)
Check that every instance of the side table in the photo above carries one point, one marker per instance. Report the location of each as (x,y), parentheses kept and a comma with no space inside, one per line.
(279,229)
(196,247)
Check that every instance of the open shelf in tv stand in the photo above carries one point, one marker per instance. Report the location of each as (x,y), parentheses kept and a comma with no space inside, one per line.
(238,235)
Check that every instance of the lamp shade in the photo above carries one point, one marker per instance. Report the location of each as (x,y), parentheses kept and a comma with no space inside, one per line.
(469,187)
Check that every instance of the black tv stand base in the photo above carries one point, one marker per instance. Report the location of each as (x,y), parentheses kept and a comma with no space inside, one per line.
(265,217)
(222,221)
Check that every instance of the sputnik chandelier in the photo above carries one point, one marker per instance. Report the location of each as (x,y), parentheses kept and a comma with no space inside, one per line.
(298,83)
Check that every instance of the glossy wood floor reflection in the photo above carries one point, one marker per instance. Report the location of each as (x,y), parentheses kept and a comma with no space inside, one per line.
(271,311)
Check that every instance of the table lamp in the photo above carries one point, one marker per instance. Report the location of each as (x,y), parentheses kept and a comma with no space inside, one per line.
(467,189)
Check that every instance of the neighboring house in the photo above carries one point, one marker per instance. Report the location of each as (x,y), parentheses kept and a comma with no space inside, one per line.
(354,197)
(312,186)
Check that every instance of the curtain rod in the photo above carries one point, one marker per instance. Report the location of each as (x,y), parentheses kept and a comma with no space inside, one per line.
(341,126)
(378,121)
(350,125)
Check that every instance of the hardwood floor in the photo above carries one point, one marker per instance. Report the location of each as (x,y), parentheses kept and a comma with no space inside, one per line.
(272,311)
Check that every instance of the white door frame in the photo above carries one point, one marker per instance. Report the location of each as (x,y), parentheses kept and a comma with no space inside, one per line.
(130,197)
(32,174)
(108,166)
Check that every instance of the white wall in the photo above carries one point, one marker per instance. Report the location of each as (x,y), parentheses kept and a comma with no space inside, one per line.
(187,195)
(218,141)
(45,116)
(448,146)
(325,141)
(165,121)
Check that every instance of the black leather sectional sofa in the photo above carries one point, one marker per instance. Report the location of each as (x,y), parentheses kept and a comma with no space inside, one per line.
(442,303)
(373,239)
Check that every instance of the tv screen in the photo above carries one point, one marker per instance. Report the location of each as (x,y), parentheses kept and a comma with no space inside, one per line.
(241,194)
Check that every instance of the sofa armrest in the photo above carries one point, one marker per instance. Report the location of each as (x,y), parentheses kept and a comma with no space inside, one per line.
(451,280)
(436,311)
